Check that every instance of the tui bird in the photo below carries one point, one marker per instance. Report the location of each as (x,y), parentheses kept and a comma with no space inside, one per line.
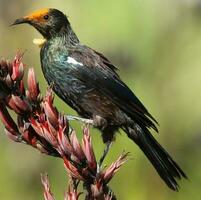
(88,82)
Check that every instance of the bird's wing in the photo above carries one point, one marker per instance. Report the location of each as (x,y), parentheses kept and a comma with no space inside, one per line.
(93,68)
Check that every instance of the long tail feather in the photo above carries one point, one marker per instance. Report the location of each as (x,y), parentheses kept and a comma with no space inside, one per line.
(166,167)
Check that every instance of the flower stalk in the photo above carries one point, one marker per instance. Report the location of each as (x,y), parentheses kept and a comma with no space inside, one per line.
(40,125)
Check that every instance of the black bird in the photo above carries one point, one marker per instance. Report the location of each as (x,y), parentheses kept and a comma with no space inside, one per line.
(88,82)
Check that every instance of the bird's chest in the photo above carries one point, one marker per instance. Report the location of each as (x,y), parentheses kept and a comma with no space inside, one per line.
(60,71)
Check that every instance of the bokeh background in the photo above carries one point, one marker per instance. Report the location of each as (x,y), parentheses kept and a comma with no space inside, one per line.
(157,47)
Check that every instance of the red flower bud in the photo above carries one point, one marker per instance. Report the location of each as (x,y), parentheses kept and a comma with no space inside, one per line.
(8,81)
(77,149)
(72,170)
(50,111)
(18,70)
(64,144)
(33,88)
(97,190)
(88,149)
(114,167)
(72,194)
(12,105)
(21,104)
(7,120)
(47,192)
(12,136)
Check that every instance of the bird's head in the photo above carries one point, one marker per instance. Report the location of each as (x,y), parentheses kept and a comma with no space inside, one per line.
(49,22)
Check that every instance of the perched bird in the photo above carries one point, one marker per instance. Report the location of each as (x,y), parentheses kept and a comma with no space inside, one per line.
(88,82)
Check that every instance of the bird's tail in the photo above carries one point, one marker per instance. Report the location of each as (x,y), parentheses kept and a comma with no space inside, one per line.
(166,167)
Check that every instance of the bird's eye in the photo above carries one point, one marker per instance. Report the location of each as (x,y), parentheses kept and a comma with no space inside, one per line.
(46,17)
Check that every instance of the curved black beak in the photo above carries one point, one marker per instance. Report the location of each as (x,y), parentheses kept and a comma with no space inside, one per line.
(20,21)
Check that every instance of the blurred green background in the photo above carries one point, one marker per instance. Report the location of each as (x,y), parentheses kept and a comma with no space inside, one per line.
(157,47)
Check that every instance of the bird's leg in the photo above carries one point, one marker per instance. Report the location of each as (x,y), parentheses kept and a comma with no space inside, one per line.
(83,120)
(105,152)
(101,123)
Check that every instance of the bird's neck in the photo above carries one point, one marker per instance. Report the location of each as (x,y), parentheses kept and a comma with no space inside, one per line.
(71,36)
(67,36)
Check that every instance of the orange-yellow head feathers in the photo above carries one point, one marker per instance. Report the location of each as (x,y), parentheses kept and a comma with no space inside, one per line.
(39,15)
(49,22)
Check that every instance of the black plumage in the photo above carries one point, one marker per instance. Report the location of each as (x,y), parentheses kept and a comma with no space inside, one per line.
(88,82)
